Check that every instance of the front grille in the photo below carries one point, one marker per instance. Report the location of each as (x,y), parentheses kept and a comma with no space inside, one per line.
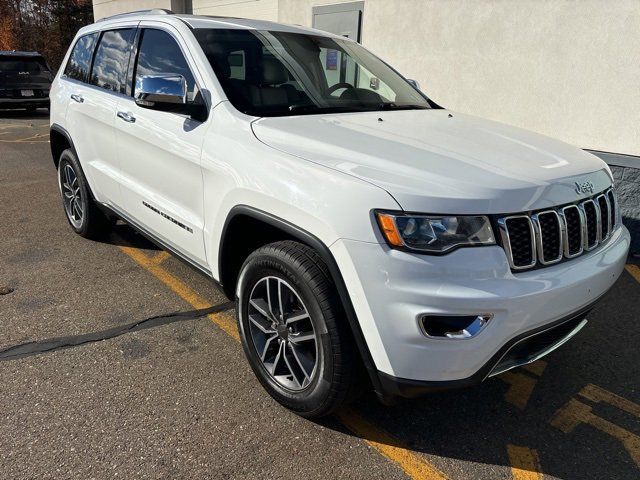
(550,236)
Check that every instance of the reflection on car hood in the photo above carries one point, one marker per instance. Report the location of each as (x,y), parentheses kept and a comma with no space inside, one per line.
(435,161)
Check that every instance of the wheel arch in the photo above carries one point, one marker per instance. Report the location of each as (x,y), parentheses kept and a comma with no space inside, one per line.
(59,141)
(232,253)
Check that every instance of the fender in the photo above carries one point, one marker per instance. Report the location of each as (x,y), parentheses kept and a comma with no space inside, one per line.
(314,242)
(58,129)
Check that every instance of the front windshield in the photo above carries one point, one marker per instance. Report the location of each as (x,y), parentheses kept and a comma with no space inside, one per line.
(269,73)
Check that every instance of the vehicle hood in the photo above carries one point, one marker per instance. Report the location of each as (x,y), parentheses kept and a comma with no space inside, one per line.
(436,161)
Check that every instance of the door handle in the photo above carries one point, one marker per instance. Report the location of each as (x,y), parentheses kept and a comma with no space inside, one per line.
(127,117)
(77,98)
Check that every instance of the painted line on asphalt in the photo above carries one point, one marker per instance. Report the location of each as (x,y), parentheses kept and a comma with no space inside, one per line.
(634,270)
(413,465)
(182,289)
(521,385)
(525,463)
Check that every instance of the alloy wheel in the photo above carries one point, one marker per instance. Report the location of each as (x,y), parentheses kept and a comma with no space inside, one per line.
(282,333)
(71,195)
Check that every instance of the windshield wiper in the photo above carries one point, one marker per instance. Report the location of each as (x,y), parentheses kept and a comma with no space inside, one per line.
(316,108)
(395,106)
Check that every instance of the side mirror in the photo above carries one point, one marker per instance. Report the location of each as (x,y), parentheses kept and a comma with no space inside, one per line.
(414,84)
(167,93)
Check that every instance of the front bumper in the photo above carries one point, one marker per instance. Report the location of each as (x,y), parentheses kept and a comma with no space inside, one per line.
(391,289)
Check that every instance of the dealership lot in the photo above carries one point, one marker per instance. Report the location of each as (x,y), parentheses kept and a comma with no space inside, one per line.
(100,378)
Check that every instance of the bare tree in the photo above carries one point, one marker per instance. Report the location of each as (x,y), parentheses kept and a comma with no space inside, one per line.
(46,26)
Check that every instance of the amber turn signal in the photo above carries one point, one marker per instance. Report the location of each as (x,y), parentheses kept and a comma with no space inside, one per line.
(389,229)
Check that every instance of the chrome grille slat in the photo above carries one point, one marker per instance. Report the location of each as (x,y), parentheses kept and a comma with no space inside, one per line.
(549,236)
(573,223)
(518,263)
(545,231)
(591,214)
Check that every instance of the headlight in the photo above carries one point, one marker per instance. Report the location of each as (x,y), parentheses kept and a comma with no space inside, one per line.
(433,234)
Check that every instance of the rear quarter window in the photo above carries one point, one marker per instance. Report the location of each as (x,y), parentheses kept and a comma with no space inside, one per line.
(80,58)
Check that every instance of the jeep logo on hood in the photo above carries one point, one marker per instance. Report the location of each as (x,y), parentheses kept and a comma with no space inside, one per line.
(584,187)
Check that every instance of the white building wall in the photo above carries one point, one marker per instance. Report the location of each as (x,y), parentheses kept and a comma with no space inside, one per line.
(258,9)
(563,68)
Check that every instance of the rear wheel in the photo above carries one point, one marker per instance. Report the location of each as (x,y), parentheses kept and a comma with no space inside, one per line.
(82,213)
(293,329)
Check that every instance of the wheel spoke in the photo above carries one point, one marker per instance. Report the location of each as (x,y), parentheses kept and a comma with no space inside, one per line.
(300,364)
(269,297)
(297,317)
(297,338)
(260,305)
(267,344)
(286,361)
(260,325)
(280,299)
(277,359)
(77,209)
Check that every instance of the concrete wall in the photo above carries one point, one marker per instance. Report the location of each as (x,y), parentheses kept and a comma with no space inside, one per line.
(258,9)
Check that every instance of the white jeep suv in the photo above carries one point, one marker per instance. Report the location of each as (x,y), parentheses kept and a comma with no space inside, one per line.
(365,232)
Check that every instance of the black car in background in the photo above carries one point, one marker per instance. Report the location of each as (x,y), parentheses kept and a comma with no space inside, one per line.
(25,80)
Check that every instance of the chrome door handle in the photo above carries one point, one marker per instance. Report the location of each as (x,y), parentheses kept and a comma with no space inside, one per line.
(77,98)
(127,117)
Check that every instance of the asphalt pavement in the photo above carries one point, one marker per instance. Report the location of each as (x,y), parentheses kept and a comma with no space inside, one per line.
(118,361)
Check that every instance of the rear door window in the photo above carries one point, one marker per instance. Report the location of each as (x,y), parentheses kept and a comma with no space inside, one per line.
(80,58)
(109,69)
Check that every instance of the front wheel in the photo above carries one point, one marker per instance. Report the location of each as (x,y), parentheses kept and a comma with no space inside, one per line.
(293,328)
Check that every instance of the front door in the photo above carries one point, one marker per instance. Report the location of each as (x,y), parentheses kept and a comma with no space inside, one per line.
(159,153)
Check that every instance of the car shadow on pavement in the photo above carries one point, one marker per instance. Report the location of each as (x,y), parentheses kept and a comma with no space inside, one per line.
(551,415)
(122,235)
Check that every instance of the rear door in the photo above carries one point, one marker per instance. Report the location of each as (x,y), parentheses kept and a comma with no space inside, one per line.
(93,98)
(159,152)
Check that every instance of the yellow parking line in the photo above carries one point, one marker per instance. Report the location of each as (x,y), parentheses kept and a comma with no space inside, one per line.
(182,289)
(414,466)
(634,270)
(160,257)
(525,464)
(597,394)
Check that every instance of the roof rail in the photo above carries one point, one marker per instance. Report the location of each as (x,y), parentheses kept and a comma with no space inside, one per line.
(152,11)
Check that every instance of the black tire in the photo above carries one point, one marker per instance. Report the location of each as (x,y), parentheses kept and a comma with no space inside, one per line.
(92,223)
(302,269)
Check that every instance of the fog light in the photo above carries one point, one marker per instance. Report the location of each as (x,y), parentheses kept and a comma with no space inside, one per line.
(453,326)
